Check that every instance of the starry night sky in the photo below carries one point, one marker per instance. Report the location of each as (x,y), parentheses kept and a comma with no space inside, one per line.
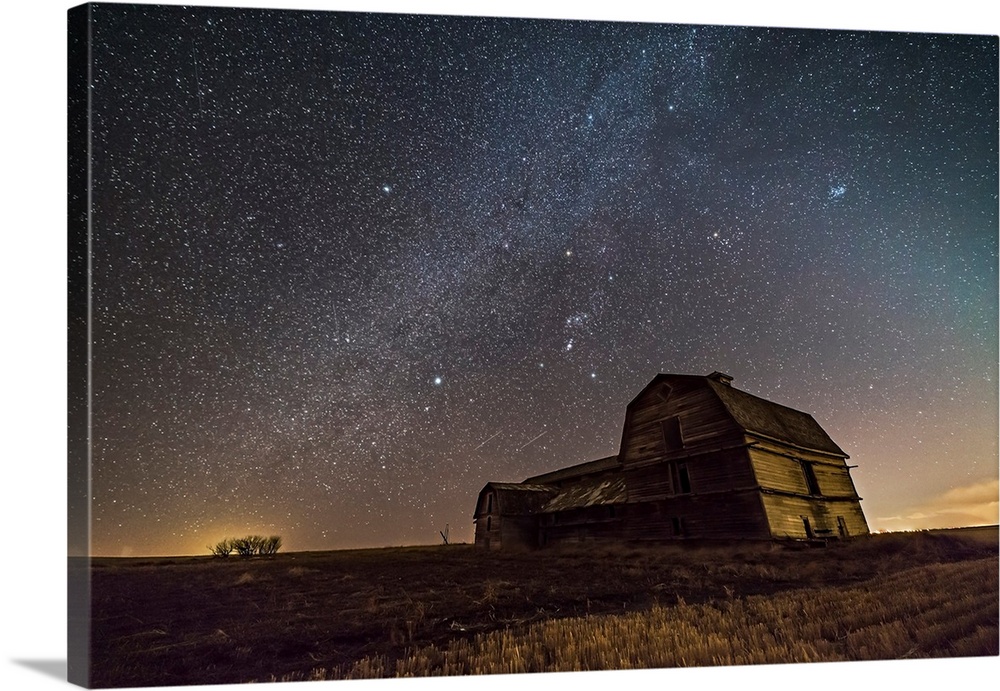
(347,268)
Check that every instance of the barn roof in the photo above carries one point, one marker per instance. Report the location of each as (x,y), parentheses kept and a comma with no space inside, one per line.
(516,499)
(591,491)
(758,415)
(774,420)
(590,486)
(575,471)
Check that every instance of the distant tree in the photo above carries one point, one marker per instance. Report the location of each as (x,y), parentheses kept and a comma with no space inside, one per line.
(223,548)
(271,545)
(247,546)
(244,546)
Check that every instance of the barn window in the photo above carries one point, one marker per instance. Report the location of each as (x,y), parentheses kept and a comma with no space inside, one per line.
(811,483)
(682,473)
(680,481)
(489,503)
(489,522)
(672,439)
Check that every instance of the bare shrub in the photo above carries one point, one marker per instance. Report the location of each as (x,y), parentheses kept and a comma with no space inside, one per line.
(223,548)
(256,542)
(243,546)
(247,546)
(270,545)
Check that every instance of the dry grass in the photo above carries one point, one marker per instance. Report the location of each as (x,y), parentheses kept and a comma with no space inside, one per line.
(930,611)
(207,620)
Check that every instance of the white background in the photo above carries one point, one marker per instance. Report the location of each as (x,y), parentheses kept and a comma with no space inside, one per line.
(32,336)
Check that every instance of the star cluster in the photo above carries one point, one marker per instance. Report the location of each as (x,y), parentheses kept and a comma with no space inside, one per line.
(347,268)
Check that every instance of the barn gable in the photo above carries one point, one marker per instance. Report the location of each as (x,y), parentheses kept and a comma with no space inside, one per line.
(671,416)
(506,513)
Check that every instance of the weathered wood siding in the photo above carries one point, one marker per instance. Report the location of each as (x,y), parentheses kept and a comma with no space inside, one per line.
(506,532)
(708,472)
(698,517)
(833,481)
(785,516)
(487,524)
(778,472)
(703,420)
(587,524)
(676,489)
(488,531)
(854,517)
(519,532)
(781,467)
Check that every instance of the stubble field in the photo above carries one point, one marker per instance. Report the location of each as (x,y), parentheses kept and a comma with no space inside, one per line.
(460,610)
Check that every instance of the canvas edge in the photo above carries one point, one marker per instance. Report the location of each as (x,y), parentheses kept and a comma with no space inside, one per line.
(78,151)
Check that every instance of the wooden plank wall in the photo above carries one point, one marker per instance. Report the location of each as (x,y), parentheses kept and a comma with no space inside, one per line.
(834,482)
(700,517)
(488,537)
(709,472)
(778,472)
(711,510)
(780,467)
(594,523)
(785,514)
(703,420)
(493,528)
(519,532)
(853,515)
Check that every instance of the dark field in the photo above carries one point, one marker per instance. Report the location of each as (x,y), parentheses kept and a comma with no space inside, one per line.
(200,620)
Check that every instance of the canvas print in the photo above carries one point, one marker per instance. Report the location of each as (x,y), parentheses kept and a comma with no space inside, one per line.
(411,345)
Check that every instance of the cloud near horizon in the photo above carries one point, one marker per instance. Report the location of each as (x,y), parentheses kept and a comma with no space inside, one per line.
(975,504)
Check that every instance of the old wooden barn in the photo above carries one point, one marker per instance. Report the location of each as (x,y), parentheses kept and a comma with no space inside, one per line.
(698,459)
